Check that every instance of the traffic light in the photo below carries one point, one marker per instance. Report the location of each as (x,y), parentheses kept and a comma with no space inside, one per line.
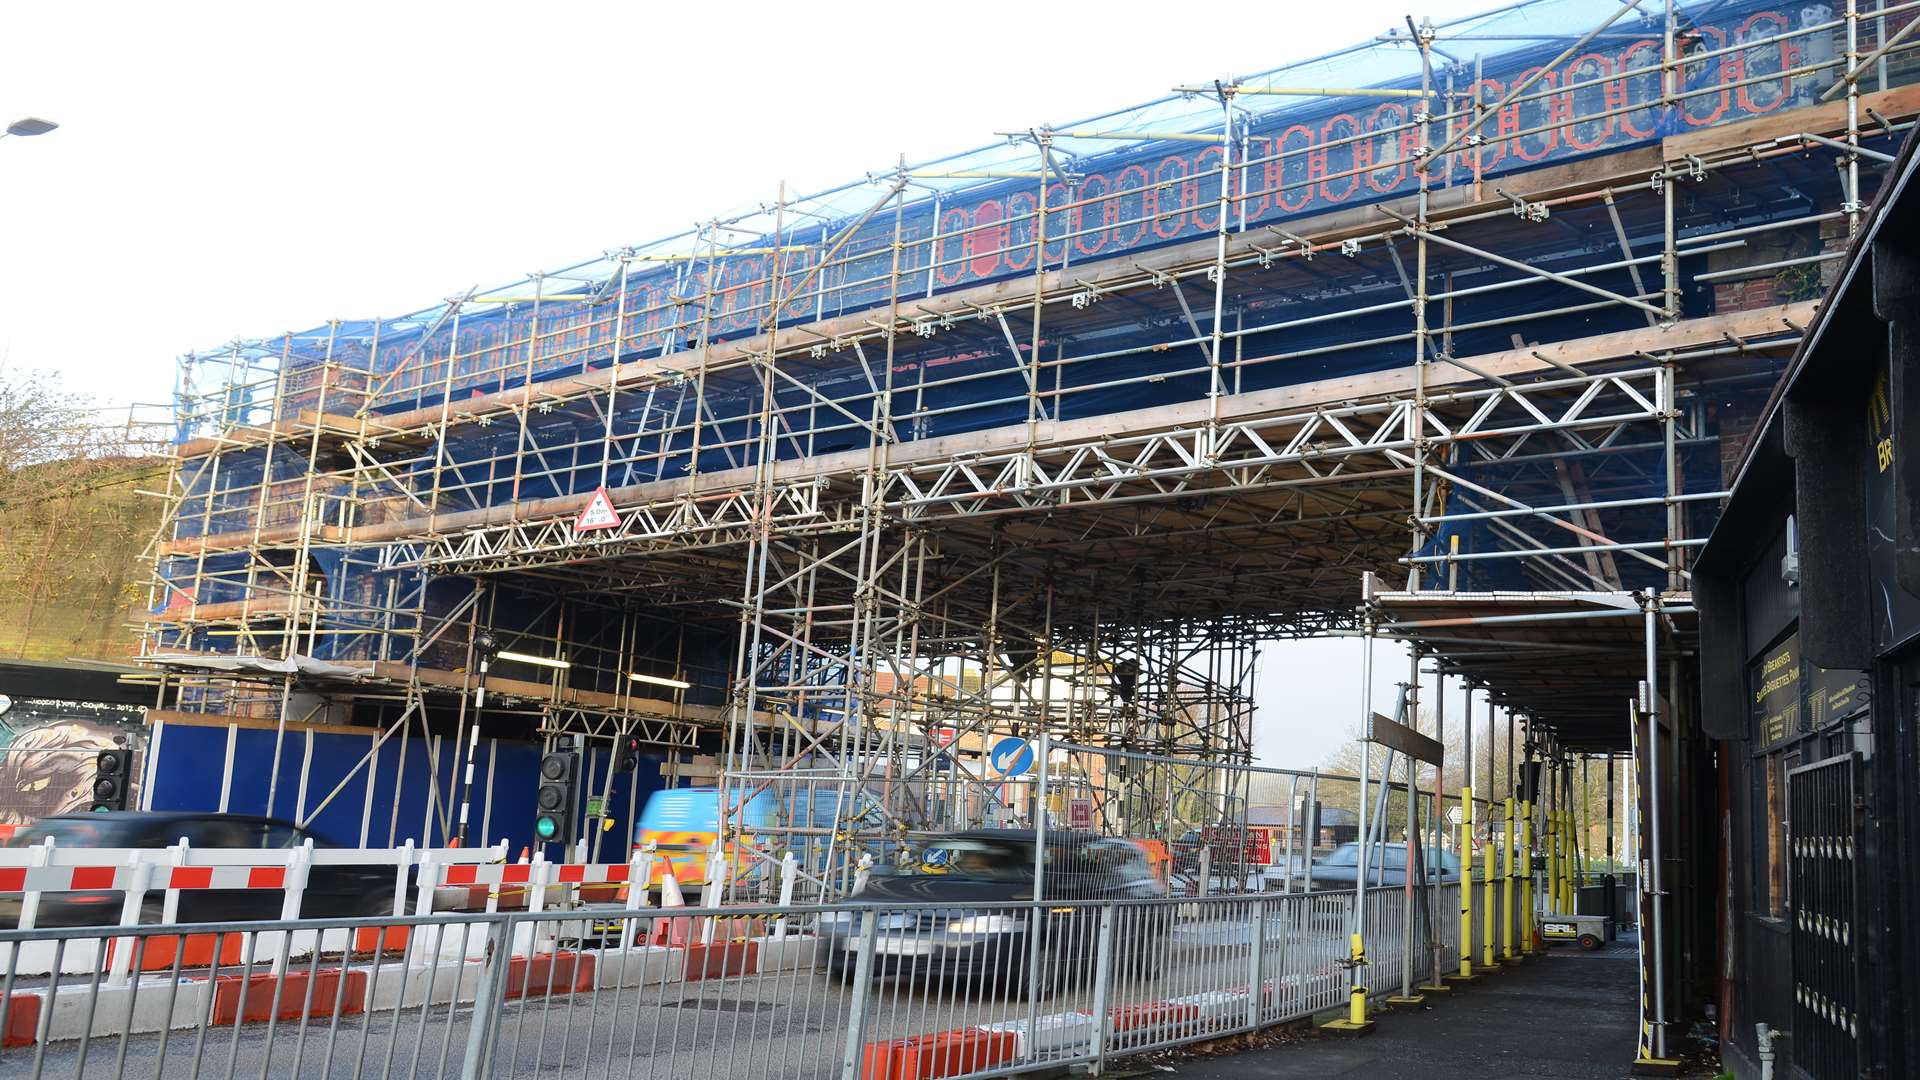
(627,754)
(112,778)
(553,804)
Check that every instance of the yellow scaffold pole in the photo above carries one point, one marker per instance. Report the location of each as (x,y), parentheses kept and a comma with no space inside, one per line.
(1510,914)
(1466,973)
(1529,789)
(1526,875)
(1552,817)
(1486,874)
(1356,1022)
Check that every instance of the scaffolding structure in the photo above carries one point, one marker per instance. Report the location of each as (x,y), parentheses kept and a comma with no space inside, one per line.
(1048,436)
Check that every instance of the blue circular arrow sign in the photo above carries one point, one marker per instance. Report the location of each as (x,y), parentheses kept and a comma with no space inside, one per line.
(1011,756)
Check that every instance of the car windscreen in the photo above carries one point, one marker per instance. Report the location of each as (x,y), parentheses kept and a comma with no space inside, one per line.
(1344,855)
(980,859)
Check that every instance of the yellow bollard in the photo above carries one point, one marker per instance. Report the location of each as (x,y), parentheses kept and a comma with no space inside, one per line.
(1466,888)
(1357,997)
(1510,916)
(1553,859)
(1356,1022)
(1565,905)
(1527,886)
(1574,870)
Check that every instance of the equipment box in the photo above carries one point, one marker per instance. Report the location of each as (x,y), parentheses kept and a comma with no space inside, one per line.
(1587,931)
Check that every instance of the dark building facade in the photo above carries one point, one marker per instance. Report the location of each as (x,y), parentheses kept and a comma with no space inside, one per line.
(1809,599)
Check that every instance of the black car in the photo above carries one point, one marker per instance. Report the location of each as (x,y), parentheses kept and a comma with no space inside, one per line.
(977,941)
(331,892)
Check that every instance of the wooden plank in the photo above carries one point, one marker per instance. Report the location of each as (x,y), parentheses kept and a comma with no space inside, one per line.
(195,719)
(231,609)
(1394,735)
(709,715)
(1827,119)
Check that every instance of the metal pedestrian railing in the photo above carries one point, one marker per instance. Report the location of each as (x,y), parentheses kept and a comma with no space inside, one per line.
(852,991)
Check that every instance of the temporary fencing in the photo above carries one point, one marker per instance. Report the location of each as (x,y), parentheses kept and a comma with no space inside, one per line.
(856,991)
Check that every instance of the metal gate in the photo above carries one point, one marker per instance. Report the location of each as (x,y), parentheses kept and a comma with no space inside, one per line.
(1822,867)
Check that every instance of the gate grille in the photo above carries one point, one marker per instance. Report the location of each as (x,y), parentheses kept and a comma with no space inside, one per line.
(1822,871)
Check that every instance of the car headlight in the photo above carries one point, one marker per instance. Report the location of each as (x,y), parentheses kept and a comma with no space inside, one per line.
(986,924)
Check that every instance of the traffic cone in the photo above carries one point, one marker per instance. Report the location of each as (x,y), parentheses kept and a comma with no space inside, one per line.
(670,932)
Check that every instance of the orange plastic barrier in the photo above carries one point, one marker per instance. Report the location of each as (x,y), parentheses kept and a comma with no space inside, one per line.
(943,1053)
(549,973)
(23,1020)
(720,959)
(233,1002)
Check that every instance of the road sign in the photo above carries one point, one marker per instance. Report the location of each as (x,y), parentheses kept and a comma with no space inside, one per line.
(1453,816)
(1011,756)
(598,513)
(1080,813)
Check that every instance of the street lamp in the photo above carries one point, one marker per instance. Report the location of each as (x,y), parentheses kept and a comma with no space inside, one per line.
(29,125)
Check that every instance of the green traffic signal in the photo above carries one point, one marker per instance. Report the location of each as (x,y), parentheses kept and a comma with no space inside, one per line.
(546,827)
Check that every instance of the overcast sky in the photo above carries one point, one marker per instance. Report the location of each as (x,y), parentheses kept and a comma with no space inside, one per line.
(230,170)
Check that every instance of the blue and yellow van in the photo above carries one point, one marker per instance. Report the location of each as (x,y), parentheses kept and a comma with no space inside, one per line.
(681,823)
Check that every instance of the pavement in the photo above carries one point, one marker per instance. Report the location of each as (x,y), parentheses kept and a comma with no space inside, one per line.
(1567,1015)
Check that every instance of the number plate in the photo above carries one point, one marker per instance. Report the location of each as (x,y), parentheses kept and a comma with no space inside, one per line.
(895,947)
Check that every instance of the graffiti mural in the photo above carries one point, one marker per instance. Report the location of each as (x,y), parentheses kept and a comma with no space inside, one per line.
(47,751)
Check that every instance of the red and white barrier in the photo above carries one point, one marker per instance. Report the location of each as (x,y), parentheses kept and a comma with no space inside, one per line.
(47,868)
(719,947)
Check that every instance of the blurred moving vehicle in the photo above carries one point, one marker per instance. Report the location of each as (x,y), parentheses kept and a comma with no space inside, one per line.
(331,892)
(1340,869)
(980,943)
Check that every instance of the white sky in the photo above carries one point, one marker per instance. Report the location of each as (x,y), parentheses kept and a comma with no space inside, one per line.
(234,170)
(1309,697)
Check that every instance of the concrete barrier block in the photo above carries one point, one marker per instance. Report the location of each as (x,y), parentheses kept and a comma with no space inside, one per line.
(157,1003)
(1214,1004)
(789,953)
(648,965)
(1069,1032)
(407,986)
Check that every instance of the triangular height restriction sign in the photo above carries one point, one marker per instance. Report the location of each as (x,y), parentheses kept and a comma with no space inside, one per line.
(598,513)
